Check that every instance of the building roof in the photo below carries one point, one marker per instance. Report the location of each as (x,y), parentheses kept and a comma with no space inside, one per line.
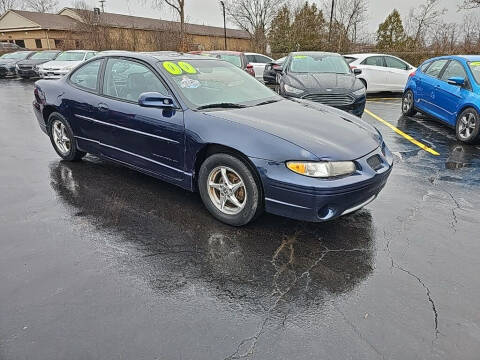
(71,19)
(49,21)
(129,21)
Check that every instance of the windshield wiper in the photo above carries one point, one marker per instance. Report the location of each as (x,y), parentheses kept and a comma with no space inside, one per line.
(224,105)
(268,102)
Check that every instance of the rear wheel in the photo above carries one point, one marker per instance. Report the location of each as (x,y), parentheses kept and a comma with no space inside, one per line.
(408,108)
(229,190)
(61,136)
(468,126)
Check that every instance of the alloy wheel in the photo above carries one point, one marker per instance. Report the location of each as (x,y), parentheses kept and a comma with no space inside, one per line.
(227,190)
(467,125)
(60,137)
(407,102)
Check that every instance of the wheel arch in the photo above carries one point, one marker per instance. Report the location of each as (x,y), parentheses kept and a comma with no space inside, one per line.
(464,107)
(214,148)
(47,111)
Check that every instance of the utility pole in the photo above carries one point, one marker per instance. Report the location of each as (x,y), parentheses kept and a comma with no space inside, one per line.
(224,24)
(102,6)
(331,20)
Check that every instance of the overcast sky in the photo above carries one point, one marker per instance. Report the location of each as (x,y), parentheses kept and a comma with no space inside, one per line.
(208,12)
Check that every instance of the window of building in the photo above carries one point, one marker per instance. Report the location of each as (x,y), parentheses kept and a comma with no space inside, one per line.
(38,43)
(20,43)
(58,43)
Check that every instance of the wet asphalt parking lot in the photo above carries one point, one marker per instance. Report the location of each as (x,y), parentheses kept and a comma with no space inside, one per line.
(100,262)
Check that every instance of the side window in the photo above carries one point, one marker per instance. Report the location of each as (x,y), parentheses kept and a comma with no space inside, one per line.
(454,69)
(262,59)
(395,63)
(89,55)
(86,76)
(251,58)
(126,80)
(436,67)
(374,61)
(424,66)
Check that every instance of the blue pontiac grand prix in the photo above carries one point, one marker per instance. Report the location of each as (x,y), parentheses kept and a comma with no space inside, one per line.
(207,126)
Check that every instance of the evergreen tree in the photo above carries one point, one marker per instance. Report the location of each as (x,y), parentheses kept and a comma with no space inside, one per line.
(279,35)
(390,33)
(308,28)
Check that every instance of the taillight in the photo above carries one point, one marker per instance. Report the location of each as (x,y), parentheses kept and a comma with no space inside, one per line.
(39,95)
(411,74)
(250,69)
(275,66)
(353,67)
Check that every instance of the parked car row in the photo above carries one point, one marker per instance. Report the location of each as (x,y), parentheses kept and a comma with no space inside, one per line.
(51,64)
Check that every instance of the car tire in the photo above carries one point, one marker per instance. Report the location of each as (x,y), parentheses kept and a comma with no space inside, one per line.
(468,126)
(62,139)
(236,201)
(408,104)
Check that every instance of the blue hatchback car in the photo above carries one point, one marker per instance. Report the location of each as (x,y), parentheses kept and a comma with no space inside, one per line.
(208,126)
(448,88)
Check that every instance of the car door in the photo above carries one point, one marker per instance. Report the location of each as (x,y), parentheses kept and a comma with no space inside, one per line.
(151,139)
(426,97)
(375,73)
(397,73)
(449,97)
(80,100)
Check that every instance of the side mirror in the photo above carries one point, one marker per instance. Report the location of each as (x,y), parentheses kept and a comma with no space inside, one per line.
(156,100)
(357,71)
(456,80)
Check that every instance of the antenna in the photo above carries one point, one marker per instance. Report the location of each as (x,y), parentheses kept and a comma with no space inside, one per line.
(102,4)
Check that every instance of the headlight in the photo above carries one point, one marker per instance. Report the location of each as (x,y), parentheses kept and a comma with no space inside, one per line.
(292,90)
(360,91)
(323,169)
(17,67)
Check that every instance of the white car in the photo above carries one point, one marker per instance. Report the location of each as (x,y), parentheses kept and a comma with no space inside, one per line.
(381,72)
(64,63)
(258,61)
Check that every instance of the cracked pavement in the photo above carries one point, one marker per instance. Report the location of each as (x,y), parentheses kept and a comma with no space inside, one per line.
(100,262)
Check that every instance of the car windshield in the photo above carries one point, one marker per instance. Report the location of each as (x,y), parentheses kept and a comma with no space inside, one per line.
(204,82)
(475,68)
(320,63)
(70,56)
(44,55)
(16,55)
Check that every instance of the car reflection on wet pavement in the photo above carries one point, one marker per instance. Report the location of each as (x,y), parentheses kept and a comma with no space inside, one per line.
(98,261)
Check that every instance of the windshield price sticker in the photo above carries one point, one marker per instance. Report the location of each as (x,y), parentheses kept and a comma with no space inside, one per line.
(475,63)
(179,68)
(300,57)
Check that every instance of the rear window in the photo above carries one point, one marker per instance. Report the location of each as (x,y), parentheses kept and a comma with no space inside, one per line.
(232,59)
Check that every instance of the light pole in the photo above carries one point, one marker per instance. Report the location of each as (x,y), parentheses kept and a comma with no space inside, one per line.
(224,24)
(331,19)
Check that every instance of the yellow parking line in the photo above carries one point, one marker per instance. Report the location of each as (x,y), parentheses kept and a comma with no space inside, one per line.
(400,132)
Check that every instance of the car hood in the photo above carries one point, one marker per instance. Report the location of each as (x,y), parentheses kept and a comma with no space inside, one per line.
(8,61)
(32,62)
(327,133)
(60,64)
(323,81)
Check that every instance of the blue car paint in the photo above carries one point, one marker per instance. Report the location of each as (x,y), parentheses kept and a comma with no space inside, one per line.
(441,99)
(166,143)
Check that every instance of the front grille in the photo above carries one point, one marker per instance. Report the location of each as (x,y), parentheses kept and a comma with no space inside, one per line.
(331,99)
(375,162)
(25,67)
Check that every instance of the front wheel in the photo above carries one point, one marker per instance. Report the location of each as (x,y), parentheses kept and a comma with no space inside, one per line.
(468,126)
(229,190)
(408,108)
(61,136)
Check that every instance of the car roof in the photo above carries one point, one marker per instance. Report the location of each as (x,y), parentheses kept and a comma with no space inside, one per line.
(313,53)
(226,52)
(455,57)
(79,51)
(367,54)
(156,55)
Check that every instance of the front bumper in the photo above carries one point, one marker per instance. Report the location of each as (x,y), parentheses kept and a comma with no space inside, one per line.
(52,74)
(6,70)
(317,200)
(27,72)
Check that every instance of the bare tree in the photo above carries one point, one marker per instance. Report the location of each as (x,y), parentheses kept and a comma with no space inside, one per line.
(255,17)
(470,4)
(422,19)
(42,6)
(6,5)
(178,7)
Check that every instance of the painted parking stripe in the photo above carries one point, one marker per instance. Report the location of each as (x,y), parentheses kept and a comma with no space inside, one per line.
(401,133)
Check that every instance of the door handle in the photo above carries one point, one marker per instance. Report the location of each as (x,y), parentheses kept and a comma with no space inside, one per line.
(103,107)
